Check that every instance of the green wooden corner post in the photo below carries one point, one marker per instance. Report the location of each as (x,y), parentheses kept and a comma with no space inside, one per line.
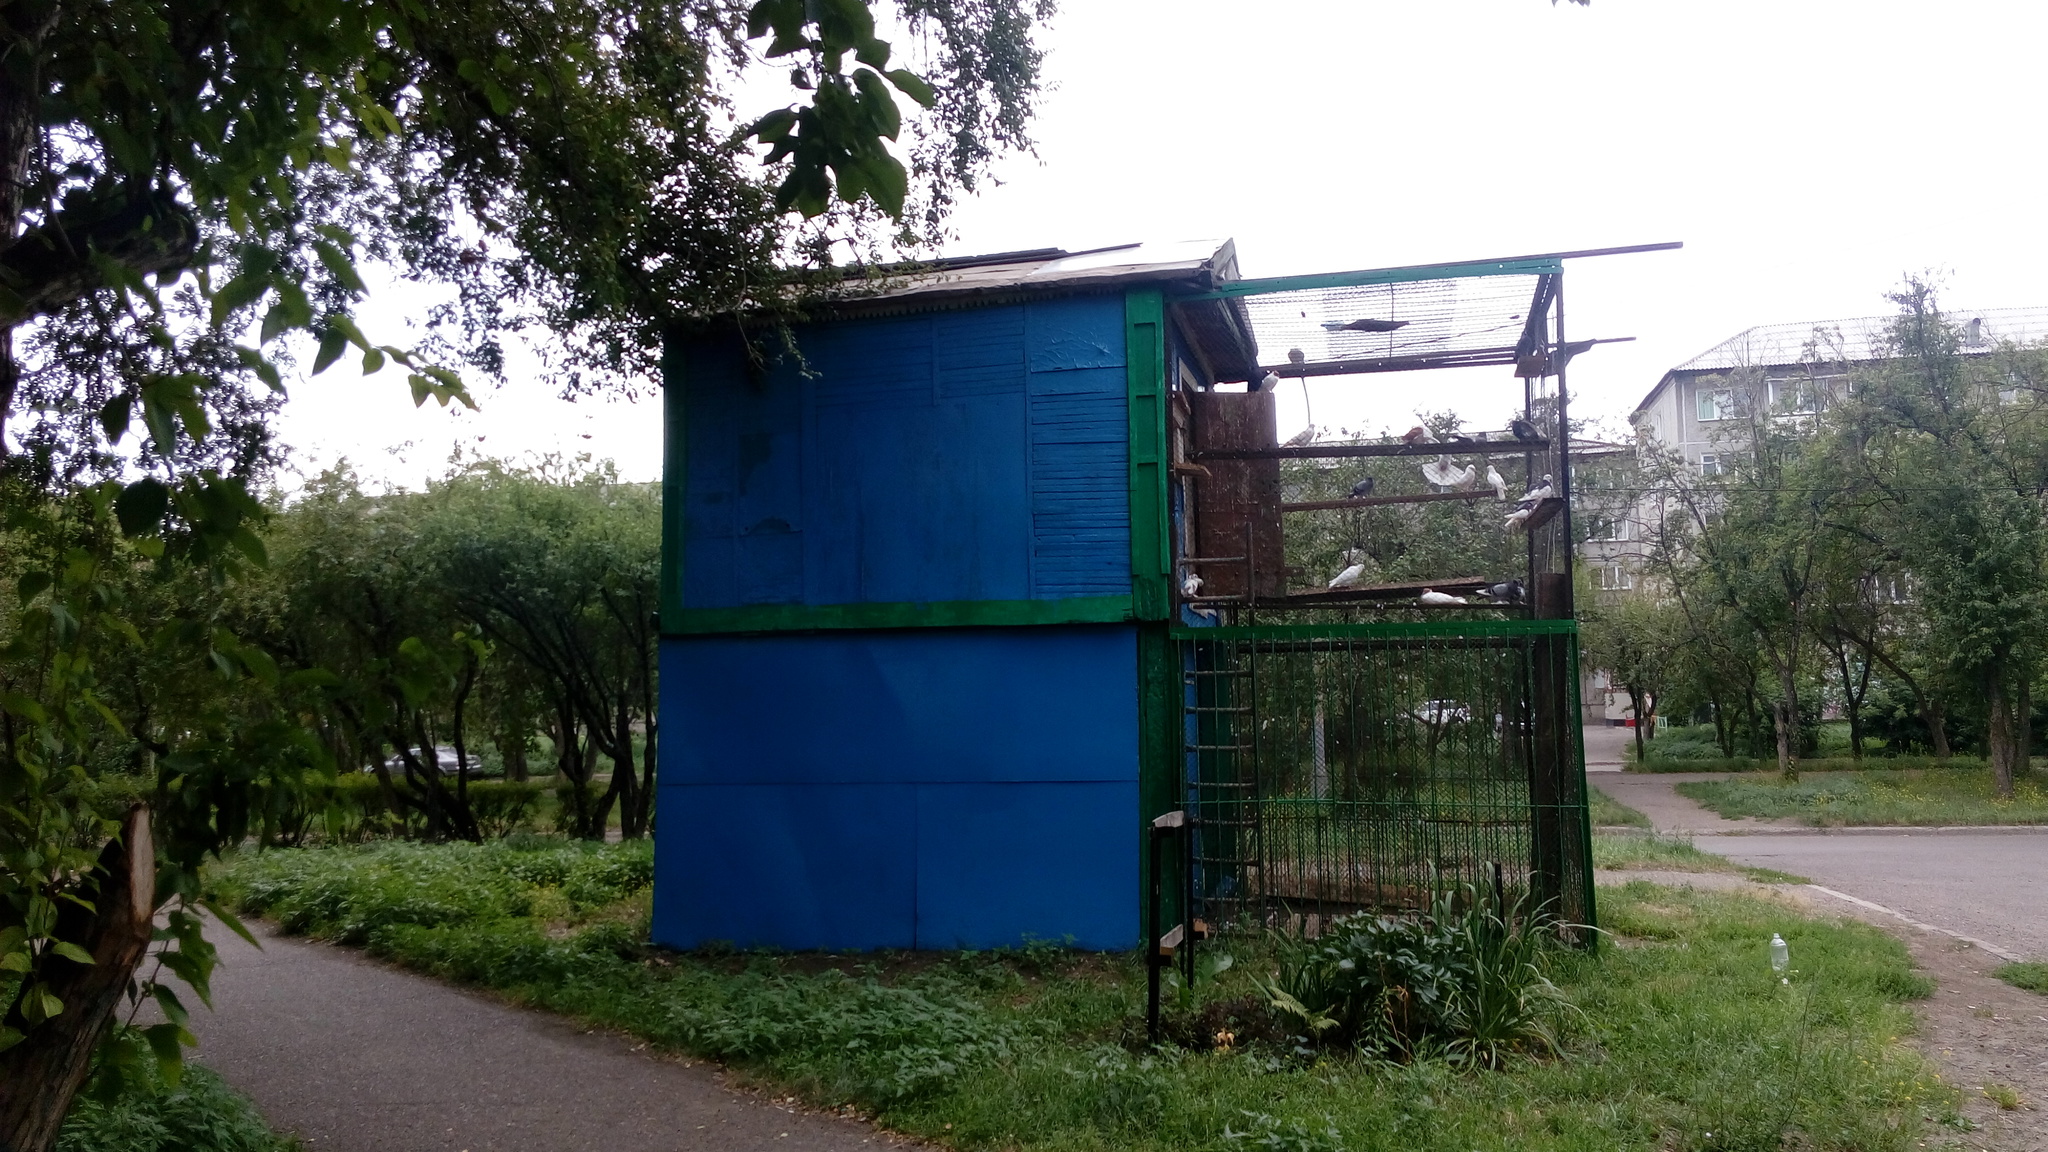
(1159,712)
(674,357)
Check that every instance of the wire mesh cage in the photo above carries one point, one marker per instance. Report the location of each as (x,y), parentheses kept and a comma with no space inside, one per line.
(1340,768)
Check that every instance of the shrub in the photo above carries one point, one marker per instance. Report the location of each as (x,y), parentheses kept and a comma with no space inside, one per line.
(131,1107)
(1466,978)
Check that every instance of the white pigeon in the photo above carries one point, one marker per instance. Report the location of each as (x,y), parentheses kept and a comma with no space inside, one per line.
(1500,486)
(1538,494)
(1353,575)
(1302,438)
(1442,473)
(1432,596)
(1515,518)
(1191,585)
(1271,382)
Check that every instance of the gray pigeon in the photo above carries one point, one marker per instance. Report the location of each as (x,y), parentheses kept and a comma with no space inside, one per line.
(1362,489)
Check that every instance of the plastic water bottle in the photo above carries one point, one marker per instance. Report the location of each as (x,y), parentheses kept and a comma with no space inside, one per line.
(1781,956)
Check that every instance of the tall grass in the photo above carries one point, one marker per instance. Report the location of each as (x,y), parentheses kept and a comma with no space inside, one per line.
(1678,1038)
(1949,796)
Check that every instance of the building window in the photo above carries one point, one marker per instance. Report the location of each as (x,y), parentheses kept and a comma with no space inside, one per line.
(1714,405)
(1615,578)
(1793,394)
(1616,529)
(1710,464)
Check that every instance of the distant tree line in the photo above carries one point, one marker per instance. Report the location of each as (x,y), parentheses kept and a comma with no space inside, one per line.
(1878,551)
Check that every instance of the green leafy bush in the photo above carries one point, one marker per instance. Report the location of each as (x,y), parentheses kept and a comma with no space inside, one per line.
(134,1108)
(1466,978)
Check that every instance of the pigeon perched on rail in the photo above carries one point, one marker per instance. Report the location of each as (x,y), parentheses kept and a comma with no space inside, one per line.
(1354,573)
(1516,518)
(1362,489)
(1363,325)
(1524,431)
(1268,384)
(1420,434)
(1538,494)
(1442,473)
(1505,592)
(1432,596)
(1190,586)
(1301,439)
(1500,486)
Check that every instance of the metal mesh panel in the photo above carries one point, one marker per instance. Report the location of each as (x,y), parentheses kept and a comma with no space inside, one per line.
(1436,317)
(1335,767)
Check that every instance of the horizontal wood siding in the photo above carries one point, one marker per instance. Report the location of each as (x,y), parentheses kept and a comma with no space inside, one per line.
(961,456)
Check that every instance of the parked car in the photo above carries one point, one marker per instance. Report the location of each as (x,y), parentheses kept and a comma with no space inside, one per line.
(444,759)
(1441,712)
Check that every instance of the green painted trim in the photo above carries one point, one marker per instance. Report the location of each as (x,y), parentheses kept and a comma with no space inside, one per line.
(1379,276)
(1399,630)
(1145,372)
(674,359)
(938,614)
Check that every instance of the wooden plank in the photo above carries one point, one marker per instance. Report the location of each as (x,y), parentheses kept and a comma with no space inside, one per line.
(1238,504)
(1381,501)
(1482,449)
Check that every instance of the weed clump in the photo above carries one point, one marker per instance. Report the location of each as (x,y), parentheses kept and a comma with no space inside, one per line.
(1465,979)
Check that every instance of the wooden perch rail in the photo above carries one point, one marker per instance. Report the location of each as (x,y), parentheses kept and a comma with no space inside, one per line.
(1481,448)
(1376,501)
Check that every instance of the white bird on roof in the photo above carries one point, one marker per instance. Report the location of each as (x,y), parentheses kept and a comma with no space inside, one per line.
(1302,438)
(1432,596)
(1354,572)
(1190,586)
(1500,486)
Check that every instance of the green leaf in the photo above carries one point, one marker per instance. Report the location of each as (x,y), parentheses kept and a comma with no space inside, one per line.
(141,507)
(26,589)
(333,343)
(243,290)
(71,952)
(167,1044)
(220,912)
(912,85)
(114,417)
(373,361)
(339,265)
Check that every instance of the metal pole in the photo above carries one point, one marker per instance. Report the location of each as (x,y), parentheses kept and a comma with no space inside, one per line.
(1564,441)
(1152,942)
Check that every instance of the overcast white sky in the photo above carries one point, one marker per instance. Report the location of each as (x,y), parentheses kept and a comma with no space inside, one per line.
(1808,153)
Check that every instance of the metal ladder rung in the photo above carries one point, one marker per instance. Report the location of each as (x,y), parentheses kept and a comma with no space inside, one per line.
(1216,747)
(1192,709)
(1220,784)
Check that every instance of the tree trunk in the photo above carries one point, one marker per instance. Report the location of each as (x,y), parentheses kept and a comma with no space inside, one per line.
(40,1075)
(1999,733)
(512,748)
(1635,705)
(2023,720)
(1788,722)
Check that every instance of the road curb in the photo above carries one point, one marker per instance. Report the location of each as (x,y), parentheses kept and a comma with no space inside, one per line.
(1873,830)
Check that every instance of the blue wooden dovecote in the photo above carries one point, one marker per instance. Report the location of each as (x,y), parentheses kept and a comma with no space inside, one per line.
(913,584)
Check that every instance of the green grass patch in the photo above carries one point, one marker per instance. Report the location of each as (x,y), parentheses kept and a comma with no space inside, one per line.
(1607,812)
(141,1111)
(2031,975)
(1960,795)
(1680,1037)
(1640,852)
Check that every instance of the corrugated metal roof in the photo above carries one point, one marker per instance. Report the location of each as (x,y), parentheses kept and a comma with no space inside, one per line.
(1197,263)
(1860,339)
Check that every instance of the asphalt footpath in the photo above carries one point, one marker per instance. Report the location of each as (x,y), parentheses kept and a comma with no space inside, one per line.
(355,1056)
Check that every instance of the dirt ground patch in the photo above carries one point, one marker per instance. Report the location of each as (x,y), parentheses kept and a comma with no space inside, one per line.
(1984,1033)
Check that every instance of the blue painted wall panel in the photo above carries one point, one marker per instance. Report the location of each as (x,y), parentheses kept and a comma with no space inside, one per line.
(974,455)
(786,867)
(998,864)
(928,705)
(1078,332)
(936,787)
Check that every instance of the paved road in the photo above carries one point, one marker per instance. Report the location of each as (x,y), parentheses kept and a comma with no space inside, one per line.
(1992,886)
(357,1057)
